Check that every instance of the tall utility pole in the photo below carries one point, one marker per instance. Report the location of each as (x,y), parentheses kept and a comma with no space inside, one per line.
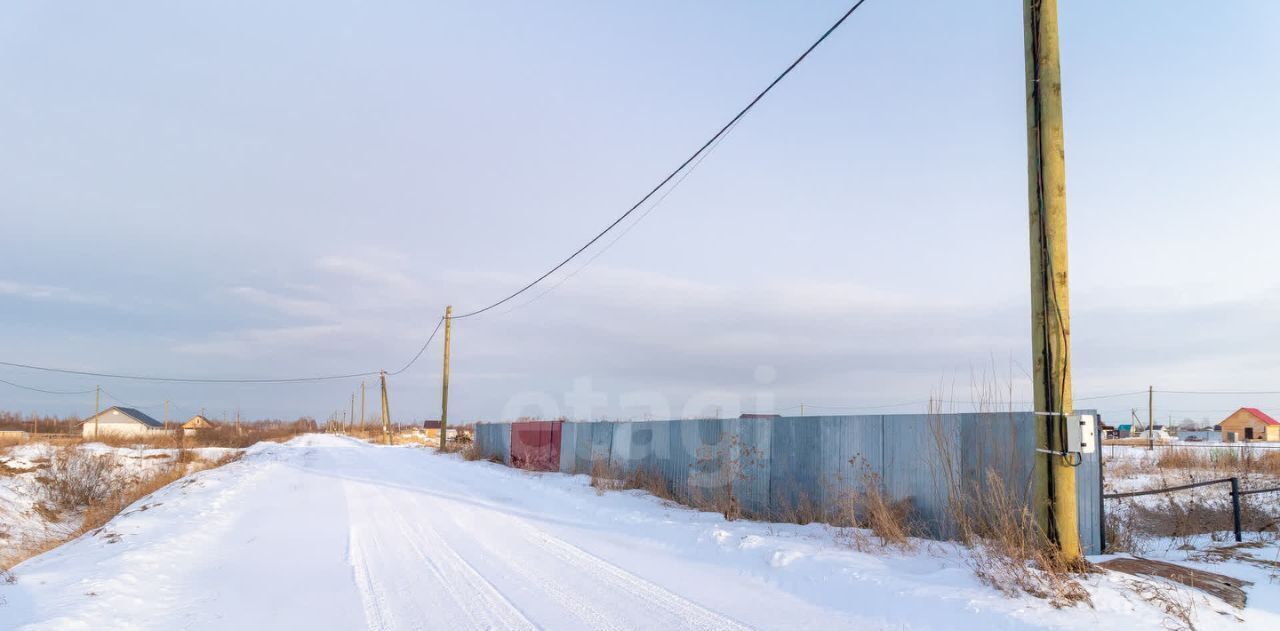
(97,409)
(1055,489)
(1151,419)
(166,414)
(386,408)
(353,413)
(444,388)
(361,406)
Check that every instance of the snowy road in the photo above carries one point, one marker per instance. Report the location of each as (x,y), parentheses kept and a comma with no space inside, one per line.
(330,533)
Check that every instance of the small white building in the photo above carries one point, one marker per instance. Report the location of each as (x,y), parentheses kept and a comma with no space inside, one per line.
(119,421)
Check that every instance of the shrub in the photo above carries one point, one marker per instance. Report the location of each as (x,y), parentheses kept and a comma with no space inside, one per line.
(76,477)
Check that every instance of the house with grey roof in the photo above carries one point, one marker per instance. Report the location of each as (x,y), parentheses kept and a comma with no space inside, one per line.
(119,421)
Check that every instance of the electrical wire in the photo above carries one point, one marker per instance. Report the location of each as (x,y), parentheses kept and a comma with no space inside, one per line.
(18,385)
(1213,392)
(107,375)
(1110,396)
(672,175)
(695,157)
(420,350)
(622,234)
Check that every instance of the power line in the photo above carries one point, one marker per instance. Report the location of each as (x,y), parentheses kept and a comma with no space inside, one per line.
(421,350)
(1110,396)
(88,373)
(692,159)
(106,375)
(1228,392)
(622,234)
(18,385)
(670,176)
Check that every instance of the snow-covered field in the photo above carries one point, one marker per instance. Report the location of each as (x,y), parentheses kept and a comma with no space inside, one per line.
(331,533)
(23,522)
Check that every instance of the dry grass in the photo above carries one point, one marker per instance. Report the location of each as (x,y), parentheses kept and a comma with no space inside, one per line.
(1010,552)
(1227,461)
(1008,549)
(78,480)
(99,513)
(76,477)
(793,505)
(1177,604)
(472,452)
(222,436)
(651,481)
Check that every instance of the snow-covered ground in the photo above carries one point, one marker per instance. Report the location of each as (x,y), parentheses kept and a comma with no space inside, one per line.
(332,533)
(22,520)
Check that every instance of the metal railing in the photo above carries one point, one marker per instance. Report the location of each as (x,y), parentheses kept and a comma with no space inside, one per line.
(1236,494)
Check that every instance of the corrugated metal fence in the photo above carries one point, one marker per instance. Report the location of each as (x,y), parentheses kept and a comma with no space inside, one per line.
(773,467)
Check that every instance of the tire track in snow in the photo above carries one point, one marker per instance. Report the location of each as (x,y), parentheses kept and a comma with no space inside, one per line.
(376,613)
(481,602)
(658,607)
(677,607)
(439,598)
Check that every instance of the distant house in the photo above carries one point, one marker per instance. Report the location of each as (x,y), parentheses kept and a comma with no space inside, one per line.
(197,423)
(13,436)
(432,429)
(1249,424)
(119,421)
(1128,430)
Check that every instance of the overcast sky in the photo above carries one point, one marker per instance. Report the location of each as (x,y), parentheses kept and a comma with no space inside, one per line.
(264,189)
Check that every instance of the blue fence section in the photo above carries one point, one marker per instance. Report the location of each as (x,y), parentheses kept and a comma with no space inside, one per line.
(776,466)
(1089,503)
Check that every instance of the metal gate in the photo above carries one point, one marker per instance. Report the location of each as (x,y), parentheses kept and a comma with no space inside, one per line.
(535,445)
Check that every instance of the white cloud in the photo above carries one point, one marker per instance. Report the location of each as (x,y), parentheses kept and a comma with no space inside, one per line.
(303,307)
(45,292)
(263,342)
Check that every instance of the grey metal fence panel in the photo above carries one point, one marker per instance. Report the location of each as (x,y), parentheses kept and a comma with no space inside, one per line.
(504,442)
(748,447)
(601,442)
(796,467)
(774,463)
(997,453)
(568,444)
(919,451)
(1089,493)
(851,455)
(633,446)
(620,448)
(704,444)
(678,466)
(582,448)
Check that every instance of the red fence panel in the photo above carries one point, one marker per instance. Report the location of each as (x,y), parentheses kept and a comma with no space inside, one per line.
(535,445)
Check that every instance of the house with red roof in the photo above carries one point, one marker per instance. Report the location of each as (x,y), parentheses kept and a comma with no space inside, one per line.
(1250,424)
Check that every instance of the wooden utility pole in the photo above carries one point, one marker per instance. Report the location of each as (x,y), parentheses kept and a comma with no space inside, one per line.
(1050,313)
(361,406)
(97,409)
(1151,419)
(353,413)
(166,414)
(386,408)
(237,420)
(444,388)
